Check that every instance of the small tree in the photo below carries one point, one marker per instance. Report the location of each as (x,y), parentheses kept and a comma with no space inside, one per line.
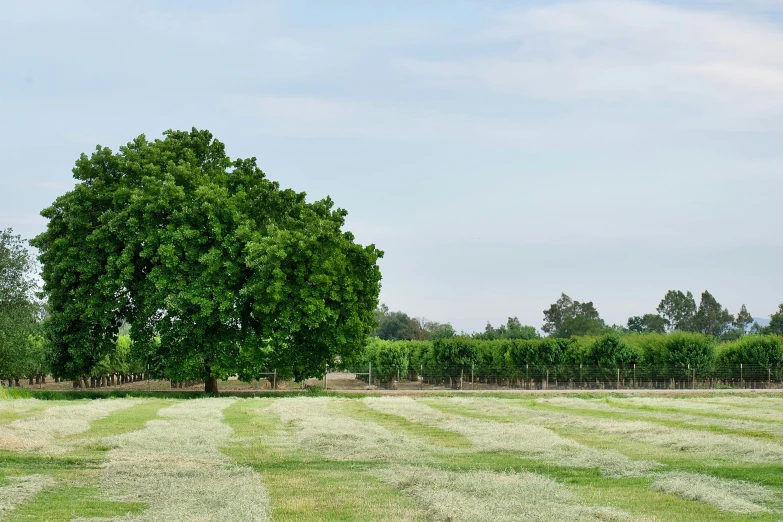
(743,320)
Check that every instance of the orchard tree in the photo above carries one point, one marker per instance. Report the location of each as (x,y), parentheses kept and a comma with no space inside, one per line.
(217,269)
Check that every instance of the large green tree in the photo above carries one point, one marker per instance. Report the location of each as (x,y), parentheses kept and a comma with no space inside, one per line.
(217,269)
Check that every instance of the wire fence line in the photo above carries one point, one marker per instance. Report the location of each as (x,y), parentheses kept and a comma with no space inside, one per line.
(564,377)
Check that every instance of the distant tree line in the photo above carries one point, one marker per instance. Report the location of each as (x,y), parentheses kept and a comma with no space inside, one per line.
(677,312)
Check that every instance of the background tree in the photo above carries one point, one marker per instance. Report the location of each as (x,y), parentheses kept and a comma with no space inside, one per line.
(397,326)
(392,326)
(743,320)
(678,310)
(21,347)
(711,318)
(648,323)
(513,329)
(775,325)
(567,318)
(437,330)
(217,269)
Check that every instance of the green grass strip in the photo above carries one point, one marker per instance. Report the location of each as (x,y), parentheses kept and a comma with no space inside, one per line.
(64,503)
(122,421)
(305,487)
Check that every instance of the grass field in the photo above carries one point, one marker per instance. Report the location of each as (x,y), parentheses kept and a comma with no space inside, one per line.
(450,458)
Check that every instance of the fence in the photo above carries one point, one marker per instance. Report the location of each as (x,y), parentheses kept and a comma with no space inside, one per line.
(567,377)
(484,377)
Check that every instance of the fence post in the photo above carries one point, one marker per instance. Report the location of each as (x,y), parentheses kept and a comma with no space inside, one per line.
(527,377)
(618,378)
(472,369)
(742,381)
(421,371)
(634,375)
(369,376)
(769,377)
(274,380)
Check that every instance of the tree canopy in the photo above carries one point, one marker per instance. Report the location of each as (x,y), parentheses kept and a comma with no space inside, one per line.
(648,323)
(398,326)
(567,318)
(678,310)
(513,329)
(20,312)
(217,269)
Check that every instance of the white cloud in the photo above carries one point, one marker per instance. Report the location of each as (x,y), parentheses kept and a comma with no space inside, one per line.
(312,117)
(728,68)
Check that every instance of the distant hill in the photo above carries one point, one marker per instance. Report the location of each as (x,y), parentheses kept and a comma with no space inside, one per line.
(762,321)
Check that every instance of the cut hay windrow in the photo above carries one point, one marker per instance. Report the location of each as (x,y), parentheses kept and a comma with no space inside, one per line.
(175,466)
(336,436)
(757,408)
(529,440)
(41,432)
(690,418)
(500,497)
(14,409)
(703,443)
(735,496)
(21,490)
(23,405)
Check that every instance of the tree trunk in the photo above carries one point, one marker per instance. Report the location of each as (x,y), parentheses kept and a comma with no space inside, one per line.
(211,385)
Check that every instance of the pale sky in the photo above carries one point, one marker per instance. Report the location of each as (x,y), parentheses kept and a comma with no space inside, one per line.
(499,152)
